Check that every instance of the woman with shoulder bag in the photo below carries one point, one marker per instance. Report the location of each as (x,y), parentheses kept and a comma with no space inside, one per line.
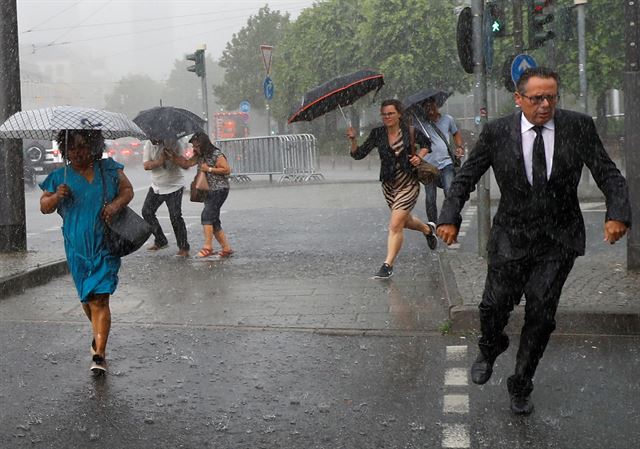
(398,175)
(211,161)
(85,204)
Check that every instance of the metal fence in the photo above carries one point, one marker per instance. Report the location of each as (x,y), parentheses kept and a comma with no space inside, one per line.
(293,157)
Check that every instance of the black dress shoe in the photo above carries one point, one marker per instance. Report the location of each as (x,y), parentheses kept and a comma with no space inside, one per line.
(521,405)
(481,369)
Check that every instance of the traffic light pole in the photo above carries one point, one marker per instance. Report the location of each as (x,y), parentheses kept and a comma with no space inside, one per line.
(582,53)
(480,106)
(518,39)
(631,129)
(13,234)
(205,99)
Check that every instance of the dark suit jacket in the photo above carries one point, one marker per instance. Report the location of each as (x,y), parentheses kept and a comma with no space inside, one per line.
(378,138)
(523,216)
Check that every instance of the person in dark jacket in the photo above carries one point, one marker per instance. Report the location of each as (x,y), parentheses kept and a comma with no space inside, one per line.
(537,156)
(397,173)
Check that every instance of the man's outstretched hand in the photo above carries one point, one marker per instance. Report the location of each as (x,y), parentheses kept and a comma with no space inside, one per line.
(614,230)
(448,233)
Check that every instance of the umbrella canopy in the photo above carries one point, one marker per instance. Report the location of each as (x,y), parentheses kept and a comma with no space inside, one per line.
(340,91)
(419,98)
(44,124)
(168,122)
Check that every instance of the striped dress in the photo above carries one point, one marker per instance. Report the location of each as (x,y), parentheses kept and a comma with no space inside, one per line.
(402,192)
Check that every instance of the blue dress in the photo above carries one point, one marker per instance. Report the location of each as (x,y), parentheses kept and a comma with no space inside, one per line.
(93,269)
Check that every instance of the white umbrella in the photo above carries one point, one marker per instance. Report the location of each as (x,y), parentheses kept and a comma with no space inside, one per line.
(45,123)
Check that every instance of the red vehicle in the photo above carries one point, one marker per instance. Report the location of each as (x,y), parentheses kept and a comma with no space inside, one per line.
(230,125)
(126,150)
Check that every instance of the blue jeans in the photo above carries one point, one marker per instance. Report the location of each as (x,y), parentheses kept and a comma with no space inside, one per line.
(430,190)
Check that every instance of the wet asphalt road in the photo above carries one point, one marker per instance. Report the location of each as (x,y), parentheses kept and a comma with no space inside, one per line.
(289,345)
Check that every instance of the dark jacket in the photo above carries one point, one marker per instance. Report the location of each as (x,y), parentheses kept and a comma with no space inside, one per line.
(522,214)
(378,138)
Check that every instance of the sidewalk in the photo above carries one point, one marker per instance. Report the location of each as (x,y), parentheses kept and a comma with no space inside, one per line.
(600,296)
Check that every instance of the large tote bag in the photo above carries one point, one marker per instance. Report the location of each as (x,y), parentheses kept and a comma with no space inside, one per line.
(199,187)
(127,230)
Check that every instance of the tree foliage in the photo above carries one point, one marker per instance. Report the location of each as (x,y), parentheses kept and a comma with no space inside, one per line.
(242,59)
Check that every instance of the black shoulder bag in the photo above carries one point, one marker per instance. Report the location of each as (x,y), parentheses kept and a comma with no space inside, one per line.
(127,230)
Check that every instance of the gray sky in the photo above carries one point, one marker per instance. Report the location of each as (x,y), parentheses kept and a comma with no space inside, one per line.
(134,36)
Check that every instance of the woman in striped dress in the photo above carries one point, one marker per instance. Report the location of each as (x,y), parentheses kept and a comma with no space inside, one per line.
(397,173)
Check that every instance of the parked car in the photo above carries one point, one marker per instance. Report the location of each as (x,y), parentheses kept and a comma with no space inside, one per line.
(41,157)
(126,150)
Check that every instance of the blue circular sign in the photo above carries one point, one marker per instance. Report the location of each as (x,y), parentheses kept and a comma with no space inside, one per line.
(520,64)
(245,106)
(268,88)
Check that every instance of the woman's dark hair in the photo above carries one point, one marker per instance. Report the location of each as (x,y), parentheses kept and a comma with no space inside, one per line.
(92,137)
(399,108)
(202,138)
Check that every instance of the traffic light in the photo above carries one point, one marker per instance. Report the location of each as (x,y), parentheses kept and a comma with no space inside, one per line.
(497,20)
(540,15)
(198,67)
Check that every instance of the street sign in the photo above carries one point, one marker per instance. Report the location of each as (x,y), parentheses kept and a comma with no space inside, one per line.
(520,64)
(245,106)
(266,51)
(268,88)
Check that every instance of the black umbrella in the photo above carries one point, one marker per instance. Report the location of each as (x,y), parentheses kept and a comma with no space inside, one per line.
(164,122)
(418,99)
(340,91)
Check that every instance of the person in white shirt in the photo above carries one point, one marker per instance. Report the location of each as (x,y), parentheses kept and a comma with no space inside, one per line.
(167,186)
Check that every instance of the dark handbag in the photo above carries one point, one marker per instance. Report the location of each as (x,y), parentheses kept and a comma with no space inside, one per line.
(426,172)
(199,188)
(127,230)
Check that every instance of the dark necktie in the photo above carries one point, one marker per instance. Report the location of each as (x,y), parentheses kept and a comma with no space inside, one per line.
(539,160)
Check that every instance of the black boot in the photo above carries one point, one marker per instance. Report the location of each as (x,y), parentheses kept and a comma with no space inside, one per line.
(519,391)
(482,368)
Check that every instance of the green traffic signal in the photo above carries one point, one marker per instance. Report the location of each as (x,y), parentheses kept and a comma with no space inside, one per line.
(497,16)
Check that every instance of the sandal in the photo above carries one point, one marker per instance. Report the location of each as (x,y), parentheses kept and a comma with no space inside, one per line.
(205,252)
(226,253)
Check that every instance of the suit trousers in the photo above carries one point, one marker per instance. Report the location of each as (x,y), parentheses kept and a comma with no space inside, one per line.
(540,276)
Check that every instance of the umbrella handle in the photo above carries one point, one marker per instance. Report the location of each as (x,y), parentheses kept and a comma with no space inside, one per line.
(344,116)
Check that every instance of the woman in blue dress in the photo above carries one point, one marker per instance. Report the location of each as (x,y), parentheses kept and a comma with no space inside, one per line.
(76,193)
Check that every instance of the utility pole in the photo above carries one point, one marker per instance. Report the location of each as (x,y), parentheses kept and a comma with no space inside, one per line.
(480,117)
(518,39)
(582,53)
(631,129)
(13,231)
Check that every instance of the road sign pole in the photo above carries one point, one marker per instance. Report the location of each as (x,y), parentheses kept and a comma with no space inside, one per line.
(13,235)
(480,107)
(631,130)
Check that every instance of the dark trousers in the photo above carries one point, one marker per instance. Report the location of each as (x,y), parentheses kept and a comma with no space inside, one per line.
(174,203)
(540,276)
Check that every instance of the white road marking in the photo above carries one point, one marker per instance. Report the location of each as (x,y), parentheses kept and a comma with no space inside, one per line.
(456,403)
(455,436)
(456,353)
(462,233)
(456,377)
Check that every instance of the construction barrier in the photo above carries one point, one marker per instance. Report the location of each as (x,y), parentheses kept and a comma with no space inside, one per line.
(293,157)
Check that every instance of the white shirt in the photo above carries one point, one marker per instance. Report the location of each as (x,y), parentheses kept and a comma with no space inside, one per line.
(528,136)
(166,179)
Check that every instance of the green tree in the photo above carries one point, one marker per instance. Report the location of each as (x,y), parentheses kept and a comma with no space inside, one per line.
(134,93)
(242,59)
(320,45)
(413,42)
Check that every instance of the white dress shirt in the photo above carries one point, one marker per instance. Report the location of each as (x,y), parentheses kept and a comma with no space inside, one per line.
(528,136)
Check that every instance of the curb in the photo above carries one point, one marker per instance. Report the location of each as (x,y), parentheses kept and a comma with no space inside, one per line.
(39,275)
(465,318)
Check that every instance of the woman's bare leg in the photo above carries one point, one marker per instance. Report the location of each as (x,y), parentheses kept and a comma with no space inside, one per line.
(396,234)
(100,321)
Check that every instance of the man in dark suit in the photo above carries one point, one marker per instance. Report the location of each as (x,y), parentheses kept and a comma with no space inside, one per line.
(537,156)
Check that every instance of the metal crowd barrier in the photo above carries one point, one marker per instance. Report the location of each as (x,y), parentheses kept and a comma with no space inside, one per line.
(291,156)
